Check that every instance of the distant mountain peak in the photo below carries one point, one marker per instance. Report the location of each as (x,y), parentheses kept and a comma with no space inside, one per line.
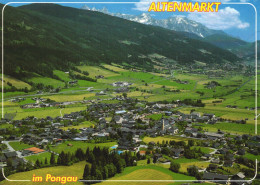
(176,23)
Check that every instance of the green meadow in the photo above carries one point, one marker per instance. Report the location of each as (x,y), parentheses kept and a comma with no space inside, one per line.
(16,145)
(62,75)
(150,87)
(47,81)
(148,172)
(81,125)
(73,170)
(233,128)
(41,157)
(72,146)
(160,139)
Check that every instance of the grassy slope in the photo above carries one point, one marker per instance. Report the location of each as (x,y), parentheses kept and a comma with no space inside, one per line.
(81,125)
(41,157)
(139,79)
(165,138)
(149,172)
(94,71)
(15,82)
(75,97)
(231,128)
(74,170)
(47,81)
(19,146)
(44,112)
(78,144)
(62,75)
(130,173)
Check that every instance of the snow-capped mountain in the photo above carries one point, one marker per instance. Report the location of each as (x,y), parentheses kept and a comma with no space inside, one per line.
(176,23)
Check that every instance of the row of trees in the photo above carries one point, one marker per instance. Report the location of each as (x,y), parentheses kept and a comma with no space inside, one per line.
(103,164)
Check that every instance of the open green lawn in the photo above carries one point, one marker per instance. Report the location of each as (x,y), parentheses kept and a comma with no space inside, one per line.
(81,125)
(78,144)
(95,70)
(47,81)
(184,160)
(114,68)
(252,156)
(15,82)
(19,145)
(200,165)
(73,97)
(6,125)
(44,112)
(230,127)
(26,101)
(155,116)
(156,93)
(41,157)
(62,75)
(73,170)
(227,113)
(165,138)
(205,150)
(149,172)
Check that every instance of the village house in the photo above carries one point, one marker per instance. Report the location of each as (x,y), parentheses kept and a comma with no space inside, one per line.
(121,84)
(215,176)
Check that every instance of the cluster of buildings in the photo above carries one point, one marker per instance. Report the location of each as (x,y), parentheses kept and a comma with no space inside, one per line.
(126,122)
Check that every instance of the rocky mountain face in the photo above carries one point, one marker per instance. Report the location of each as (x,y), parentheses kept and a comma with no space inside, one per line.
(176,23)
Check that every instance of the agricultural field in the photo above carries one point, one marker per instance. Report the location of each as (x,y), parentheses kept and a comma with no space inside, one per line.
(72,97)
(62,75)
(185,160)
(252,156)
(155,116)
(15,82)
(73,170)
(6,125)
(130,173)
(233,128)
(72,146)
(47,81)
(160,139)
(26,101)
(44,112)
(205,150)
(149,172)
(81,125)
(41,157)
(226,113)
(94,71)
(200,165)
(16,145)
(114,68)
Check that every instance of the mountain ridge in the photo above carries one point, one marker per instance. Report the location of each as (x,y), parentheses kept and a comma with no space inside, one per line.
(176,23)
(41,38)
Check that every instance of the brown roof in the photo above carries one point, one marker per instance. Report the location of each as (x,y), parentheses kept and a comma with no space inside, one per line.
(35,150)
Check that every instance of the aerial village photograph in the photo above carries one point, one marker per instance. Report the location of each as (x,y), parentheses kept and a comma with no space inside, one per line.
(122,92)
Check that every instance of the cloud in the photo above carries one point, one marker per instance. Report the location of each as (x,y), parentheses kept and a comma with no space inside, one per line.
(223,19)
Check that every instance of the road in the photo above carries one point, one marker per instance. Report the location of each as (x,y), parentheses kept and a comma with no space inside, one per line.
(10,148)
(46,94)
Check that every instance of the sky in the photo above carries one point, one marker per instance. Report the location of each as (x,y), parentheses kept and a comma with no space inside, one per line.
(238,20)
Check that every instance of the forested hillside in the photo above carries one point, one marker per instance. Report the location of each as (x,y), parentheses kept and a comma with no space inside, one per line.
(42,37)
